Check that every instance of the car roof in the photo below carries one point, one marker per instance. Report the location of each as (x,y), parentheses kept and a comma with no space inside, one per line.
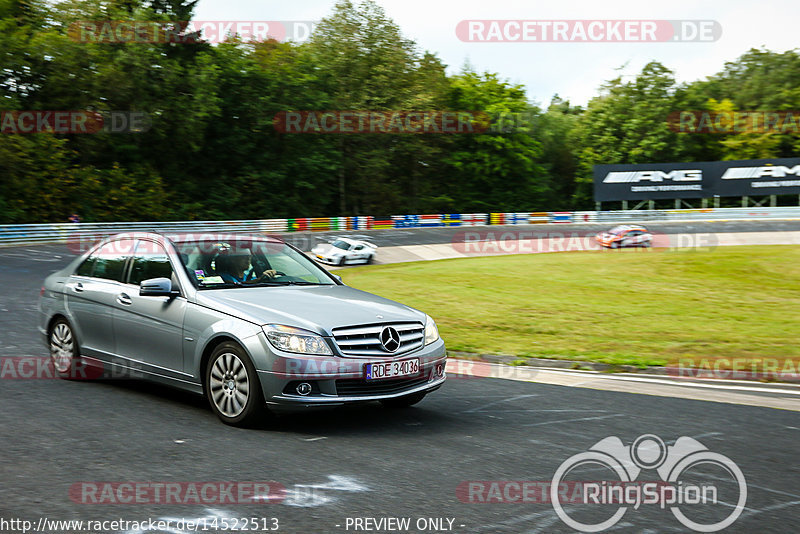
(626,227)
(189,237)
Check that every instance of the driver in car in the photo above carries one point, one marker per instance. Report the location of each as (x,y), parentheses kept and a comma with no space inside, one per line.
(237,269)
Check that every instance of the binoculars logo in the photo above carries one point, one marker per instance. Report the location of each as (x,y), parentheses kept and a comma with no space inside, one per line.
(649,452)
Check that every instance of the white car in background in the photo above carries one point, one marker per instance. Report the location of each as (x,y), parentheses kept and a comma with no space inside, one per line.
(344,250)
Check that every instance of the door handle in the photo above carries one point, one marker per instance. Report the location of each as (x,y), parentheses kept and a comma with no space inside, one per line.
(77,287)
(124,299)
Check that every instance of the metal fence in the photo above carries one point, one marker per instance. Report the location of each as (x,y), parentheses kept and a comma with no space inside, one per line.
(28,234)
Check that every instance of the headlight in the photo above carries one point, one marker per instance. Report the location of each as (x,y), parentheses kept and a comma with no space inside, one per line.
(431,332)
(289,339)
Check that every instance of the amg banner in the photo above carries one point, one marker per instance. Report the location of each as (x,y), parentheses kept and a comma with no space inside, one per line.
(706,179)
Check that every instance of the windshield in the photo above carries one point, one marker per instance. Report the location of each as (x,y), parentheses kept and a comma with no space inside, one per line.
(344,245)
(617,229)
(248,262)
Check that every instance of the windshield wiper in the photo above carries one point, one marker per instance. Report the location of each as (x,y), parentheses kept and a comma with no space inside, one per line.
(286,283)
(223,285)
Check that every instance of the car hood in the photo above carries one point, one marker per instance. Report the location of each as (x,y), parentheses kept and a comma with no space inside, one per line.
(316,308)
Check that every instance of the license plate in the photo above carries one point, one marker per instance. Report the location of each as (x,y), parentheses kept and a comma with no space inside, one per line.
(376,371)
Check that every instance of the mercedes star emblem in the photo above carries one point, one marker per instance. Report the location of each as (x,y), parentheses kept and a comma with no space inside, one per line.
(390,339)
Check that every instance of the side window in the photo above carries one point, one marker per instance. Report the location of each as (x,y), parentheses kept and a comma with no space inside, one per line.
(149,261)
(109,261)
(85,268)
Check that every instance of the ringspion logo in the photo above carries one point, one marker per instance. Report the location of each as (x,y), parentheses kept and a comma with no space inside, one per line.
(677,467)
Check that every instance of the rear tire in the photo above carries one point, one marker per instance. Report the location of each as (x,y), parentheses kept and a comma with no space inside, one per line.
(403,402)
(64,350)
(232,386)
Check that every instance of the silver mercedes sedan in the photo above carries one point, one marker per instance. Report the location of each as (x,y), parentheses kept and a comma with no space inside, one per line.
(250,322)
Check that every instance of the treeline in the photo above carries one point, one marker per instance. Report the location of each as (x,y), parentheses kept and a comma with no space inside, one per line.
(211,151)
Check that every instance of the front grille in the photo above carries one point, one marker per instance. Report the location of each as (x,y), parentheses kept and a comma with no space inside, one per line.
(365,340)
(356,387)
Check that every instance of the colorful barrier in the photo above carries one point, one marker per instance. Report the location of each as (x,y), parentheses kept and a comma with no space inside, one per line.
(382,223)
(360,223)
(584,217)
(520,217)
(430,220)
(451,219)
(405,221)
(23,234)
(538,217)
(474,219)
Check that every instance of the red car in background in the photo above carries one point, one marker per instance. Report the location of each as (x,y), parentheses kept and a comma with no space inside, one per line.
(626,235)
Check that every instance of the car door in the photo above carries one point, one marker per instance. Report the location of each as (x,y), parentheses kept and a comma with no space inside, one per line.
(627,239)
(359,253)
(149,330)
(91,294)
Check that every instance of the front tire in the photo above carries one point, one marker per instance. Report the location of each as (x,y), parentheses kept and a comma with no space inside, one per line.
(232,386)
(64,350)
(403,402)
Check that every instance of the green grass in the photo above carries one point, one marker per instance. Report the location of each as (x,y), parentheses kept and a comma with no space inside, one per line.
(630,307)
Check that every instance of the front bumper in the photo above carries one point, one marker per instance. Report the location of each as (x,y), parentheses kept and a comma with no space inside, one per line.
(328,260)
(340,380)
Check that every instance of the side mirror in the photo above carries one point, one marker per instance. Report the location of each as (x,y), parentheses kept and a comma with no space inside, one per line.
(157,287)
(339,278)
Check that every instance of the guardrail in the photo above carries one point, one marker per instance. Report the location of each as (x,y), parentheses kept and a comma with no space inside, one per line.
(25,234)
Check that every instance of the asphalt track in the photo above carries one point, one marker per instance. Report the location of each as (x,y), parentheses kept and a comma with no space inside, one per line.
(359,462)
